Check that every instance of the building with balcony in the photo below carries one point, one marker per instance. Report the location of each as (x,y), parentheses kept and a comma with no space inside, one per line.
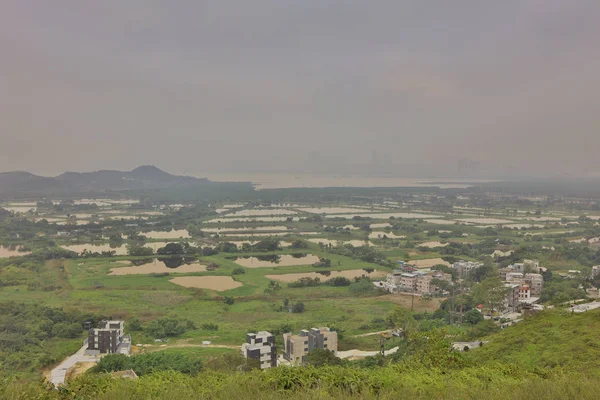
(296,347)
(261,347)
(109,337)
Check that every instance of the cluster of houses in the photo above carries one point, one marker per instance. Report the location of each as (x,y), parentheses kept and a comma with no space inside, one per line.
(524,283)
(523,280)
(409,278)
(261,346)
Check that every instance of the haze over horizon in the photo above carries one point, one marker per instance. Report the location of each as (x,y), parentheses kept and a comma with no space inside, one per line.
(413,89)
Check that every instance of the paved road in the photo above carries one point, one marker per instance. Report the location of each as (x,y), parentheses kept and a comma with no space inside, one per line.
(361,353)
(58,374)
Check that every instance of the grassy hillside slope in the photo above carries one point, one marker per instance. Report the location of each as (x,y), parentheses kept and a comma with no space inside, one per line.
(554,339)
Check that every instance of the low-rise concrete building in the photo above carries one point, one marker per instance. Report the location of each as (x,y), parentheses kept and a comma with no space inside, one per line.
(261,347)
(534,281)
(108,338)
(417,282)
(511,302)
(464,268)
(297,347)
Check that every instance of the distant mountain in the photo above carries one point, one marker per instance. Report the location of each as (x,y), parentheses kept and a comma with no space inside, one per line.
(144,177)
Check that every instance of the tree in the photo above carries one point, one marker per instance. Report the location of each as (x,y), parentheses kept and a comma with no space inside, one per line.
(299,244)
(134,325)
(167,327)
(472,317)
(321,357)
(171,249)
(446,269)
(479,274)
(363,285)
(492,293)
(137,251)
(238,271)
(402,318)
(298,308)
(229,300)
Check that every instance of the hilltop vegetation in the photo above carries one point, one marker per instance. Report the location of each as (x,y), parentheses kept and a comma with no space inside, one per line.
(550,340)
(557,358)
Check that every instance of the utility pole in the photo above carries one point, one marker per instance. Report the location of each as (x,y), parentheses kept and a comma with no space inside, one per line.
(412,301)
(452,307)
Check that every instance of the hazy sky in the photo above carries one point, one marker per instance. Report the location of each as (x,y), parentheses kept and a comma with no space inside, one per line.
(509,87)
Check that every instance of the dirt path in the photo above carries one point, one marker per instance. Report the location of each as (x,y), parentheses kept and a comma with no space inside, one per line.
(354,354)
(372,333)
(78,369)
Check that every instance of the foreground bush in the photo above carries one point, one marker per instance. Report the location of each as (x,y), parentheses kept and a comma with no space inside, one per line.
(500,382)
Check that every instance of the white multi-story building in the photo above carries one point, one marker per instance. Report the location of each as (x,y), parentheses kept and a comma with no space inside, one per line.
(413,282)
(464,268)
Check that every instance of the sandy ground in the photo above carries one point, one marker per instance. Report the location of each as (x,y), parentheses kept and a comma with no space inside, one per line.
(79,369)
(350,274)
(218,283)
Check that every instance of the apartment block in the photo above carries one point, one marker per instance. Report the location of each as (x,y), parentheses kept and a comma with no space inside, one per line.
(261,347)
(296,347)
(108,338)
(464,268)
(413,282)
(511,302)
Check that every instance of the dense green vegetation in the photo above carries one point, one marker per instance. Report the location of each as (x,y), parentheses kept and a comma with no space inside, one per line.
(431,226)
(552,354)
(34,336)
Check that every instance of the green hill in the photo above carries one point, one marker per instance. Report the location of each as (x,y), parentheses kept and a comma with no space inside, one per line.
(551,339)
(553,355)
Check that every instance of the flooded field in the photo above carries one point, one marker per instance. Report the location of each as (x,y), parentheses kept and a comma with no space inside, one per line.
(440,221)
(326,275)
(285,260)
(432,244)
(12,251)
(330,210)
(383,215)
(173,234)
(428,262)
(355,243)
(526,226)
(248,219)
(96,248)
(289,180)
(157,245)
(256,234)
(240,243)
(484,221)
(158,266)
(247,229)
(19,210)
(381,225)
(218,283)
(262,212)
(542,219)
(381,235)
